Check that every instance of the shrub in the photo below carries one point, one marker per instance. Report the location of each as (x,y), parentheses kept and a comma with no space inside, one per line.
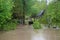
(37,24)
(6,15)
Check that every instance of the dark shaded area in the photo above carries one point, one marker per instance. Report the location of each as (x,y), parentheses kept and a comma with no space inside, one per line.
(38,15)
(41,13)
(1,10)
(30,22)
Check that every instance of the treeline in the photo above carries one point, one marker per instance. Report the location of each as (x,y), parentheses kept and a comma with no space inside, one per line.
(52,15)
(13,10)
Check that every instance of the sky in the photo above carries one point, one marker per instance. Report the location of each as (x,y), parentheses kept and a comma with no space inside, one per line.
(48,1)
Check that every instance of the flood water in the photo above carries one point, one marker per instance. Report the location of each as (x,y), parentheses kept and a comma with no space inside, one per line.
(28,33)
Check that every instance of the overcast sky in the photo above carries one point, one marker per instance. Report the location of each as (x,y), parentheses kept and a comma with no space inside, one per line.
(48,1)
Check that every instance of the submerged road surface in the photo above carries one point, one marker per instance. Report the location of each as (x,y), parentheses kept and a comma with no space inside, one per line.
(28,33)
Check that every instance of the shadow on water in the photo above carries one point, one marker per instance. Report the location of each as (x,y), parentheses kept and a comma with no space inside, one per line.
(2,32)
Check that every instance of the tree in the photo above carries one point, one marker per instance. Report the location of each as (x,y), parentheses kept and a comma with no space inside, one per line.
(24,10)
(6,7)
(53,13)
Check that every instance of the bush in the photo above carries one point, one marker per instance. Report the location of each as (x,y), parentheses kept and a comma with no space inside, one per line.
(6,15)
(37,24)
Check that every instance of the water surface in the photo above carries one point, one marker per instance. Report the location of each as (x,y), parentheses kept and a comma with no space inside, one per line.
(28,33)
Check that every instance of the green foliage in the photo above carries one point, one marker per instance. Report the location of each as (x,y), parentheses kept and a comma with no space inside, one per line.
(6,15)
(35,6)
(37,24)
(52,14)
(11,25)
(18,8)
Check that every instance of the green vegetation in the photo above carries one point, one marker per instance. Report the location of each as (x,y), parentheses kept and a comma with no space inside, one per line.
(52,14)
(37,24)
(34,7)
(13,10)
(6,22)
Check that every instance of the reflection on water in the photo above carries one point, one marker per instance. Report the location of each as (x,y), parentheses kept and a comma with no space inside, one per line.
(46,34)
(38,36)
(27,33)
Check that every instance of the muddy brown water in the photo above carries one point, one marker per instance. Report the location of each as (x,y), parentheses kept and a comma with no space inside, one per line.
(28,33)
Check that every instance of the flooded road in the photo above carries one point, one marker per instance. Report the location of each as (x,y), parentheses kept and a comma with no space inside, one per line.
(28,33)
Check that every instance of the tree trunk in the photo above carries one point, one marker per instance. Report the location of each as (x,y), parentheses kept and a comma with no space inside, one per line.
(24,7)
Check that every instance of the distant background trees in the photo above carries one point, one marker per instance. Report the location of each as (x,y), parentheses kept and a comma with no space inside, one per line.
(11,10)
(25,8)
